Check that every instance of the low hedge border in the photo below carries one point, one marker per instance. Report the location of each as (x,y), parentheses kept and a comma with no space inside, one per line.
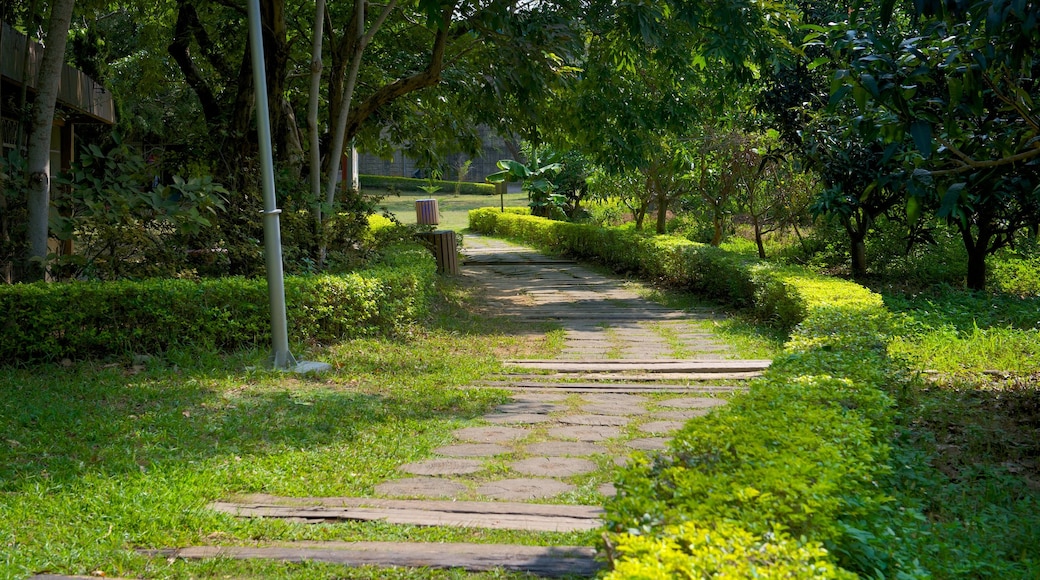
(412,184)
(47,322)
(781,482)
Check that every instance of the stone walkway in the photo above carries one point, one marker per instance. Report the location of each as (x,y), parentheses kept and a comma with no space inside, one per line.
(630,374)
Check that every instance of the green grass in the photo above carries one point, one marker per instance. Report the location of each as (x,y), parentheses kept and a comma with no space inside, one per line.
(745,336)
(454,209)
(956,331)
(98,460)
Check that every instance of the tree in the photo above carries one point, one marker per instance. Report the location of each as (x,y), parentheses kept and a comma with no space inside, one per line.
(961,85)
(39,144)
(651,74)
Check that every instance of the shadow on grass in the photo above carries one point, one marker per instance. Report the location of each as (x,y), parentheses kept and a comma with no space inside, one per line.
(59,425)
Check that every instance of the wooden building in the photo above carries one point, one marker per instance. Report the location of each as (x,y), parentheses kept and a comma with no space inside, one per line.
(80,98)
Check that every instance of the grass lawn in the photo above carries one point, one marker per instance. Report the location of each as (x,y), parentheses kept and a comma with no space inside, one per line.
(98,460)
(454,209)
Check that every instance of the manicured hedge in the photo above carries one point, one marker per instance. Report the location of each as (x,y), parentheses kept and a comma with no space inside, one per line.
(781,295)
(781,482)
(411,184)
(99,319)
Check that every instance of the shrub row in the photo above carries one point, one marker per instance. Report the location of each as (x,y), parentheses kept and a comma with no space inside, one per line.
(412,184)
(798,456)
(778,294)
(98,319)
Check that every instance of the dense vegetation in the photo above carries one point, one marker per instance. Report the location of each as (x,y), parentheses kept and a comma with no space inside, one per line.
(863,176)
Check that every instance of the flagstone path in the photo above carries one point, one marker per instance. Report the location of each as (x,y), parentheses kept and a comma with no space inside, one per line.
(631,372)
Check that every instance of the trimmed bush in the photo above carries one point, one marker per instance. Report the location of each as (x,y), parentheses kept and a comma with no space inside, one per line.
(722,551)
(412,184)
(98,319)
(802,453)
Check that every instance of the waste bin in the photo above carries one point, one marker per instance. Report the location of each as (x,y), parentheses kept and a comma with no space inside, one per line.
(426,212)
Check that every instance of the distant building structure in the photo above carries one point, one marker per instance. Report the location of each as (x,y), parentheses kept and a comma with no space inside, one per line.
(495,148)
(81,99)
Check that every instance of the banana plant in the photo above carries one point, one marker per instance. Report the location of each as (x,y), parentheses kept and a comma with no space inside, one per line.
(534,179)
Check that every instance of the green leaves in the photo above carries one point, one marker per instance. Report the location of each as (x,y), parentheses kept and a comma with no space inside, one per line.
(921,131)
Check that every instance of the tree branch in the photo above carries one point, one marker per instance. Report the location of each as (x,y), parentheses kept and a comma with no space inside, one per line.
(428,77)
(180,50)
(967,163)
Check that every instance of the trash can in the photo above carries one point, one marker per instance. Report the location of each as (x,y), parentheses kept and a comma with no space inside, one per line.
(426,212)
(443,243)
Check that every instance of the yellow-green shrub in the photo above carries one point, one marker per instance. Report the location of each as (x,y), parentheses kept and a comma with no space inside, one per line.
(723,551)
(801,453)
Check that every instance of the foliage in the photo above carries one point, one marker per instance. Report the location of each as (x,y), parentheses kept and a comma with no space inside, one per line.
(777,294)
(99,461)
(958,84)
(534,179)
(78,320)
(461,171)
(380,182)
(720,551)
(956,332)
(123,221)
(13,216)
(806,447)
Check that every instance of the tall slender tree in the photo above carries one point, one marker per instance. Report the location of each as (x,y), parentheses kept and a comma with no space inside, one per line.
(39,145)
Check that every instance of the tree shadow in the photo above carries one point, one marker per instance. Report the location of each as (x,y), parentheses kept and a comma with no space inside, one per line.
(62,424)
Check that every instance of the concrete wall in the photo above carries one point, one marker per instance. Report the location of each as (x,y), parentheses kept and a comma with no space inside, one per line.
(401,166)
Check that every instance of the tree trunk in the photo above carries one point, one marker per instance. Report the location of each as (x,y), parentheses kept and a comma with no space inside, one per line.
(976,269)
(716,222)
(758,239)
(312,107)
(39,150)
(859,257)
(977,249)
(284,131)
(662,212)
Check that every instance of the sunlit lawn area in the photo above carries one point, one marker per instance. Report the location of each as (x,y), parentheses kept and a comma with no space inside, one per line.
(454,209)
(98,460)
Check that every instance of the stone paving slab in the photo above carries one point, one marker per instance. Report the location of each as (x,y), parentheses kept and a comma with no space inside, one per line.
(538,397)
(649,443)
(472,450)
(496,434)
(613,409)
(559,448)
(538,560)
(421,487)
(553,466)
(530,407)
(443,467)
(659,427)
(681,415)
(693,403)
(516,418)
(605,420)
(523,489)
(585,433)
(615,398)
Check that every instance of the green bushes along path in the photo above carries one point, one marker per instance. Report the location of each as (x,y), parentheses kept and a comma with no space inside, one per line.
(792,479)
(99,319)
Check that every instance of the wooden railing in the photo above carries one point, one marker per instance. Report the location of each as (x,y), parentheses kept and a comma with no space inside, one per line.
(76,91)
